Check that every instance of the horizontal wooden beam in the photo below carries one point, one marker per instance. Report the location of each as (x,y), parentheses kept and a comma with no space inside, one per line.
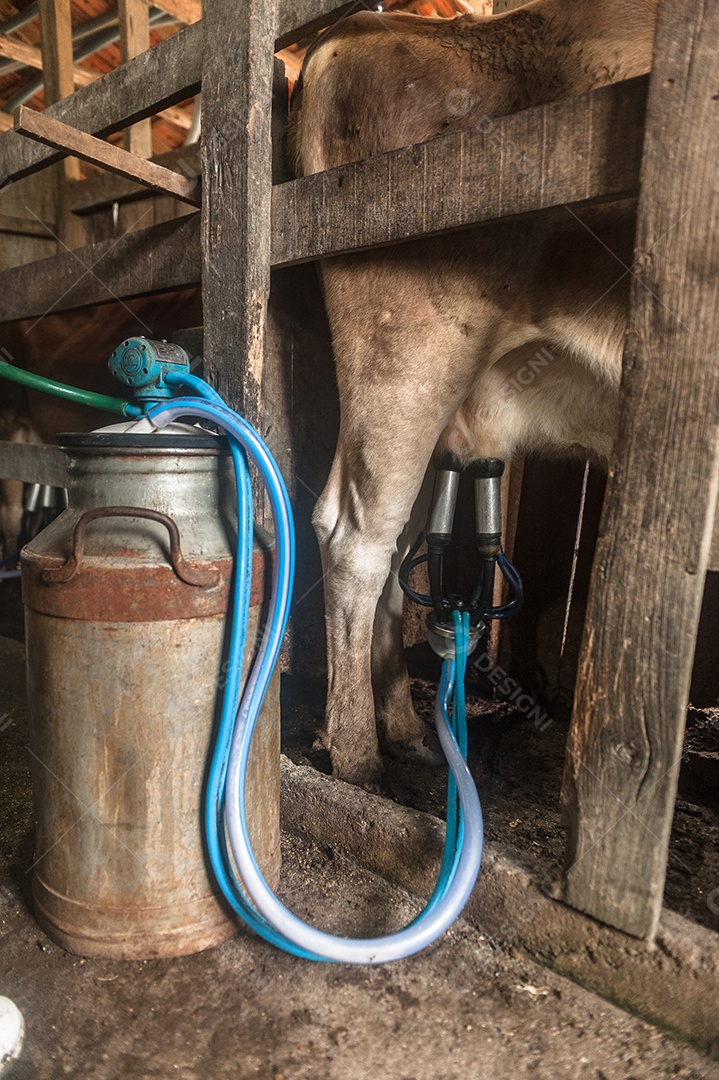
(44,129)
(32,57)
(187,11)
(178,117)
(5,121)
(33,464)
(583,149)
(103,189)
(299,19)
(20,51)
(163,257)
(166,74)
(28,54)
(19,226)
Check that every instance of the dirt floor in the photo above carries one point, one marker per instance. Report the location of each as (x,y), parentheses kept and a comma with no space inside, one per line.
(464,1008)
(518,769)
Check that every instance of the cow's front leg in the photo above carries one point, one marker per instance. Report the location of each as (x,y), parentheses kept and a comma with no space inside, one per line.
(358,520)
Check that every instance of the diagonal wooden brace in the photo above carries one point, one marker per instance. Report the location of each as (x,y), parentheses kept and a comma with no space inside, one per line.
(44,129)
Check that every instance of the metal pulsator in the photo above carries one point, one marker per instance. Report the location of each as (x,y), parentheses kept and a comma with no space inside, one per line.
(126,595)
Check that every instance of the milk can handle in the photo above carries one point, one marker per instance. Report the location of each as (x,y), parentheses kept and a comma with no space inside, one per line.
(191,575)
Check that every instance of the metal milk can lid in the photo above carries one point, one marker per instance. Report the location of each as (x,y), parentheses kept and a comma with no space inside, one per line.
(142,435)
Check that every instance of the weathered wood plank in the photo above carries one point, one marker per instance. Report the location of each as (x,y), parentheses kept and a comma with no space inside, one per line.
(319,215)
(187,11)
(100,191)
(57,59)
(134,24)
(404,194)
(30,55)
(156,259)
(57,56)
(301,18)
(648,576)
(20,51)
(164,75)
(237,178)
(33,464)
(280,346)
(23,226)
(44,129)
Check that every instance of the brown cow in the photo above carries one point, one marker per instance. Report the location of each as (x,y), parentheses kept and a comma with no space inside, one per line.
(430,336)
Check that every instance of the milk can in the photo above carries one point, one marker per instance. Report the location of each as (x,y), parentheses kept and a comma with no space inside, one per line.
(125,597)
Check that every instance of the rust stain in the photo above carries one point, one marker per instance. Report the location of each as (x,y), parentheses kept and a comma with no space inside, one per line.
(105,593)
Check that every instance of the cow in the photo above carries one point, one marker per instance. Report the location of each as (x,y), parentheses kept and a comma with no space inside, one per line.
(429,336)
(73,347)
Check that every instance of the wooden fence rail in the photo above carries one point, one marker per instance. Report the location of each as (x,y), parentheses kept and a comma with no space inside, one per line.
(164,75)
(397,196)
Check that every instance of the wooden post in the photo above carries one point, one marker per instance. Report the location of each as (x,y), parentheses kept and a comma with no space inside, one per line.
(57,60)
(236,196)
(134,16)
(280,334)
(59,80)
(648,576)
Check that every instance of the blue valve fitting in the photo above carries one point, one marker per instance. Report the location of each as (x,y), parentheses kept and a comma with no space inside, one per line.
(144,364)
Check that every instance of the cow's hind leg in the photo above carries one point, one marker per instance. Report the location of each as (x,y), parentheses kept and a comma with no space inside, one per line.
(402,733)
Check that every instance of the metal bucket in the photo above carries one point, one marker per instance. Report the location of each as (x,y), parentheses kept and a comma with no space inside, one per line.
(125,600)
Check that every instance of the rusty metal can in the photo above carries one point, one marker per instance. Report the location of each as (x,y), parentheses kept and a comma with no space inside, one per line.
(126,596)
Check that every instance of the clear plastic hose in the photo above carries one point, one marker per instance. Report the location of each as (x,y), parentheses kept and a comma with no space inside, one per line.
(226,784)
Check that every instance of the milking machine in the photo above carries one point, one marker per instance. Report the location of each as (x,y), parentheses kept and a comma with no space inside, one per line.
(487,474)
(93,618)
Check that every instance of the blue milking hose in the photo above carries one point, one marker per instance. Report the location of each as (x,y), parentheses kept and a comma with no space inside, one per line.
(225,792)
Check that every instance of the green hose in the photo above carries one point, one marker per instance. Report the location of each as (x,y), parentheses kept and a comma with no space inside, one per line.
(69,393)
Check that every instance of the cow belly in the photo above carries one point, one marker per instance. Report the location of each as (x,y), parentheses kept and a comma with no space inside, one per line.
(488,336)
